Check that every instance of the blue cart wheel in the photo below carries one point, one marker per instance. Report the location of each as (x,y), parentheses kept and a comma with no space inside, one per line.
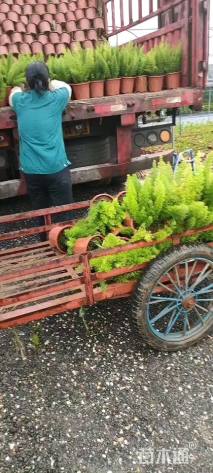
(174,300)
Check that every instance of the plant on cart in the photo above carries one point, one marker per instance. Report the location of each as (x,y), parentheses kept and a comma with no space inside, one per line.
(162,205)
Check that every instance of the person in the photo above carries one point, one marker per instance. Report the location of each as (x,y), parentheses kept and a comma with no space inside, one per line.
(43,159)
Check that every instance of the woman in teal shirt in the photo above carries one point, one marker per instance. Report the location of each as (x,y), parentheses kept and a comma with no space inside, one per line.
(43,159)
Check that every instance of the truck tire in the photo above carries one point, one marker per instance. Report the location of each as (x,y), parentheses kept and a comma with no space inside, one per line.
(173,306)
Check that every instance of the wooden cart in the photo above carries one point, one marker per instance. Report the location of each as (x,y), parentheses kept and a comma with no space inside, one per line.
(173,301)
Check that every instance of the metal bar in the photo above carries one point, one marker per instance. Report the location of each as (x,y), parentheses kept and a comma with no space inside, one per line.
(159,33)
(22,233)
(130,12)
(113,15)
(31,231)
(42,212)
(87,279)
(124,146)
(64,261)
(118,272)
(206,13)
(37,308)
(187,46)
(151,6)
(140,9)
(20,249)
(122,12)
(57,289)
(147,17)
(117,290)
(25,256)
(105,16)
(64,307)
(61,262)
(109,106)
(51,274)
(27,286)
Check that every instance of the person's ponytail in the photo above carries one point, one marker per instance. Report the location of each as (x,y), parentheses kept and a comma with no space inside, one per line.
(39,85)
(37,76)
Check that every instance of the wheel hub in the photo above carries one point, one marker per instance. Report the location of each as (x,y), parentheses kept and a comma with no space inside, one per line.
(188,302)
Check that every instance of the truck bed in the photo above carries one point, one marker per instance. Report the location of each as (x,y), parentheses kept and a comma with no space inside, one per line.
(119,105)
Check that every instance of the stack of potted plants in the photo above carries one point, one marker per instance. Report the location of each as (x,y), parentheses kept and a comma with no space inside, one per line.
(102,71)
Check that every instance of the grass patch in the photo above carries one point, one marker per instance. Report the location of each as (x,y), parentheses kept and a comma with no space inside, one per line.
(199,137)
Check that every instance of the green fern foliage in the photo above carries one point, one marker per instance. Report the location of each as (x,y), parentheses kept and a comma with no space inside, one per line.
(162,205)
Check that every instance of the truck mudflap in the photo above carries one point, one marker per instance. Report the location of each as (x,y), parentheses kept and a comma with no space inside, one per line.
(80,175)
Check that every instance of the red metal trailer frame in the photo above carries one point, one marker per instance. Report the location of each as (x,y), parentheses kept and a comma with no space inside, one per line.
(36,281)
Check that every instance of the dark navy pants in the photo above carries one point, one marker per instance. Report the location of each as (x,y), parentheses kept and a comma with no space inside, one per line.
(49,190)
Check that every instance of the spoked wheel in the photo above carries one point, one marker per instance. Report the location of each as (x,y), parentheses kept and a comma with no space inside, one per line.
(174,300)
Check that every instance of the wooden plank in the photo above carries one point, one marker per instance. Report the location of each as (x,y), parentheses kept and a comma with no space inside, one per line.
(38,295)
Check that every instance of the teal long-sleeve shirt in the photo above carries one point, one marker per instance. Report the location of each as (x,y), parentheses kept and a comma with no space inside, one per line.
(39,117)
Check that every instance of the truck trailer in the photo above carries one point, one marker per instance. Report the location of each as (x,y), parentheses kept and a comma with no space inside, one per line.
(109,137)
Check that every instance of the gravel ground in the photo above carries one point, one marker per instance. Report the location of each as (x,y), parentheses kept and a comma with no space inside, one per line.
(80,393)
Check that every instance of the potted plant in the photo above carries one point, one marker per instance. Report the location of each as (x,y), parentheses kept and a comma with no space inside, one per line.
(3,93)
(173,67)
(13,71)
(90,243)
(79,68)
(112,82)
(128,56)
(98,74)
(155,80)
(56,237)
(141,82)
(5,67)
(100,198)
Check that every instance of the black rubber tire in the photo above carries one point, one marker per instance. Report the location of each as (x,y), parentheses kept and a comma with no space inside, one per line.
(145,288)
